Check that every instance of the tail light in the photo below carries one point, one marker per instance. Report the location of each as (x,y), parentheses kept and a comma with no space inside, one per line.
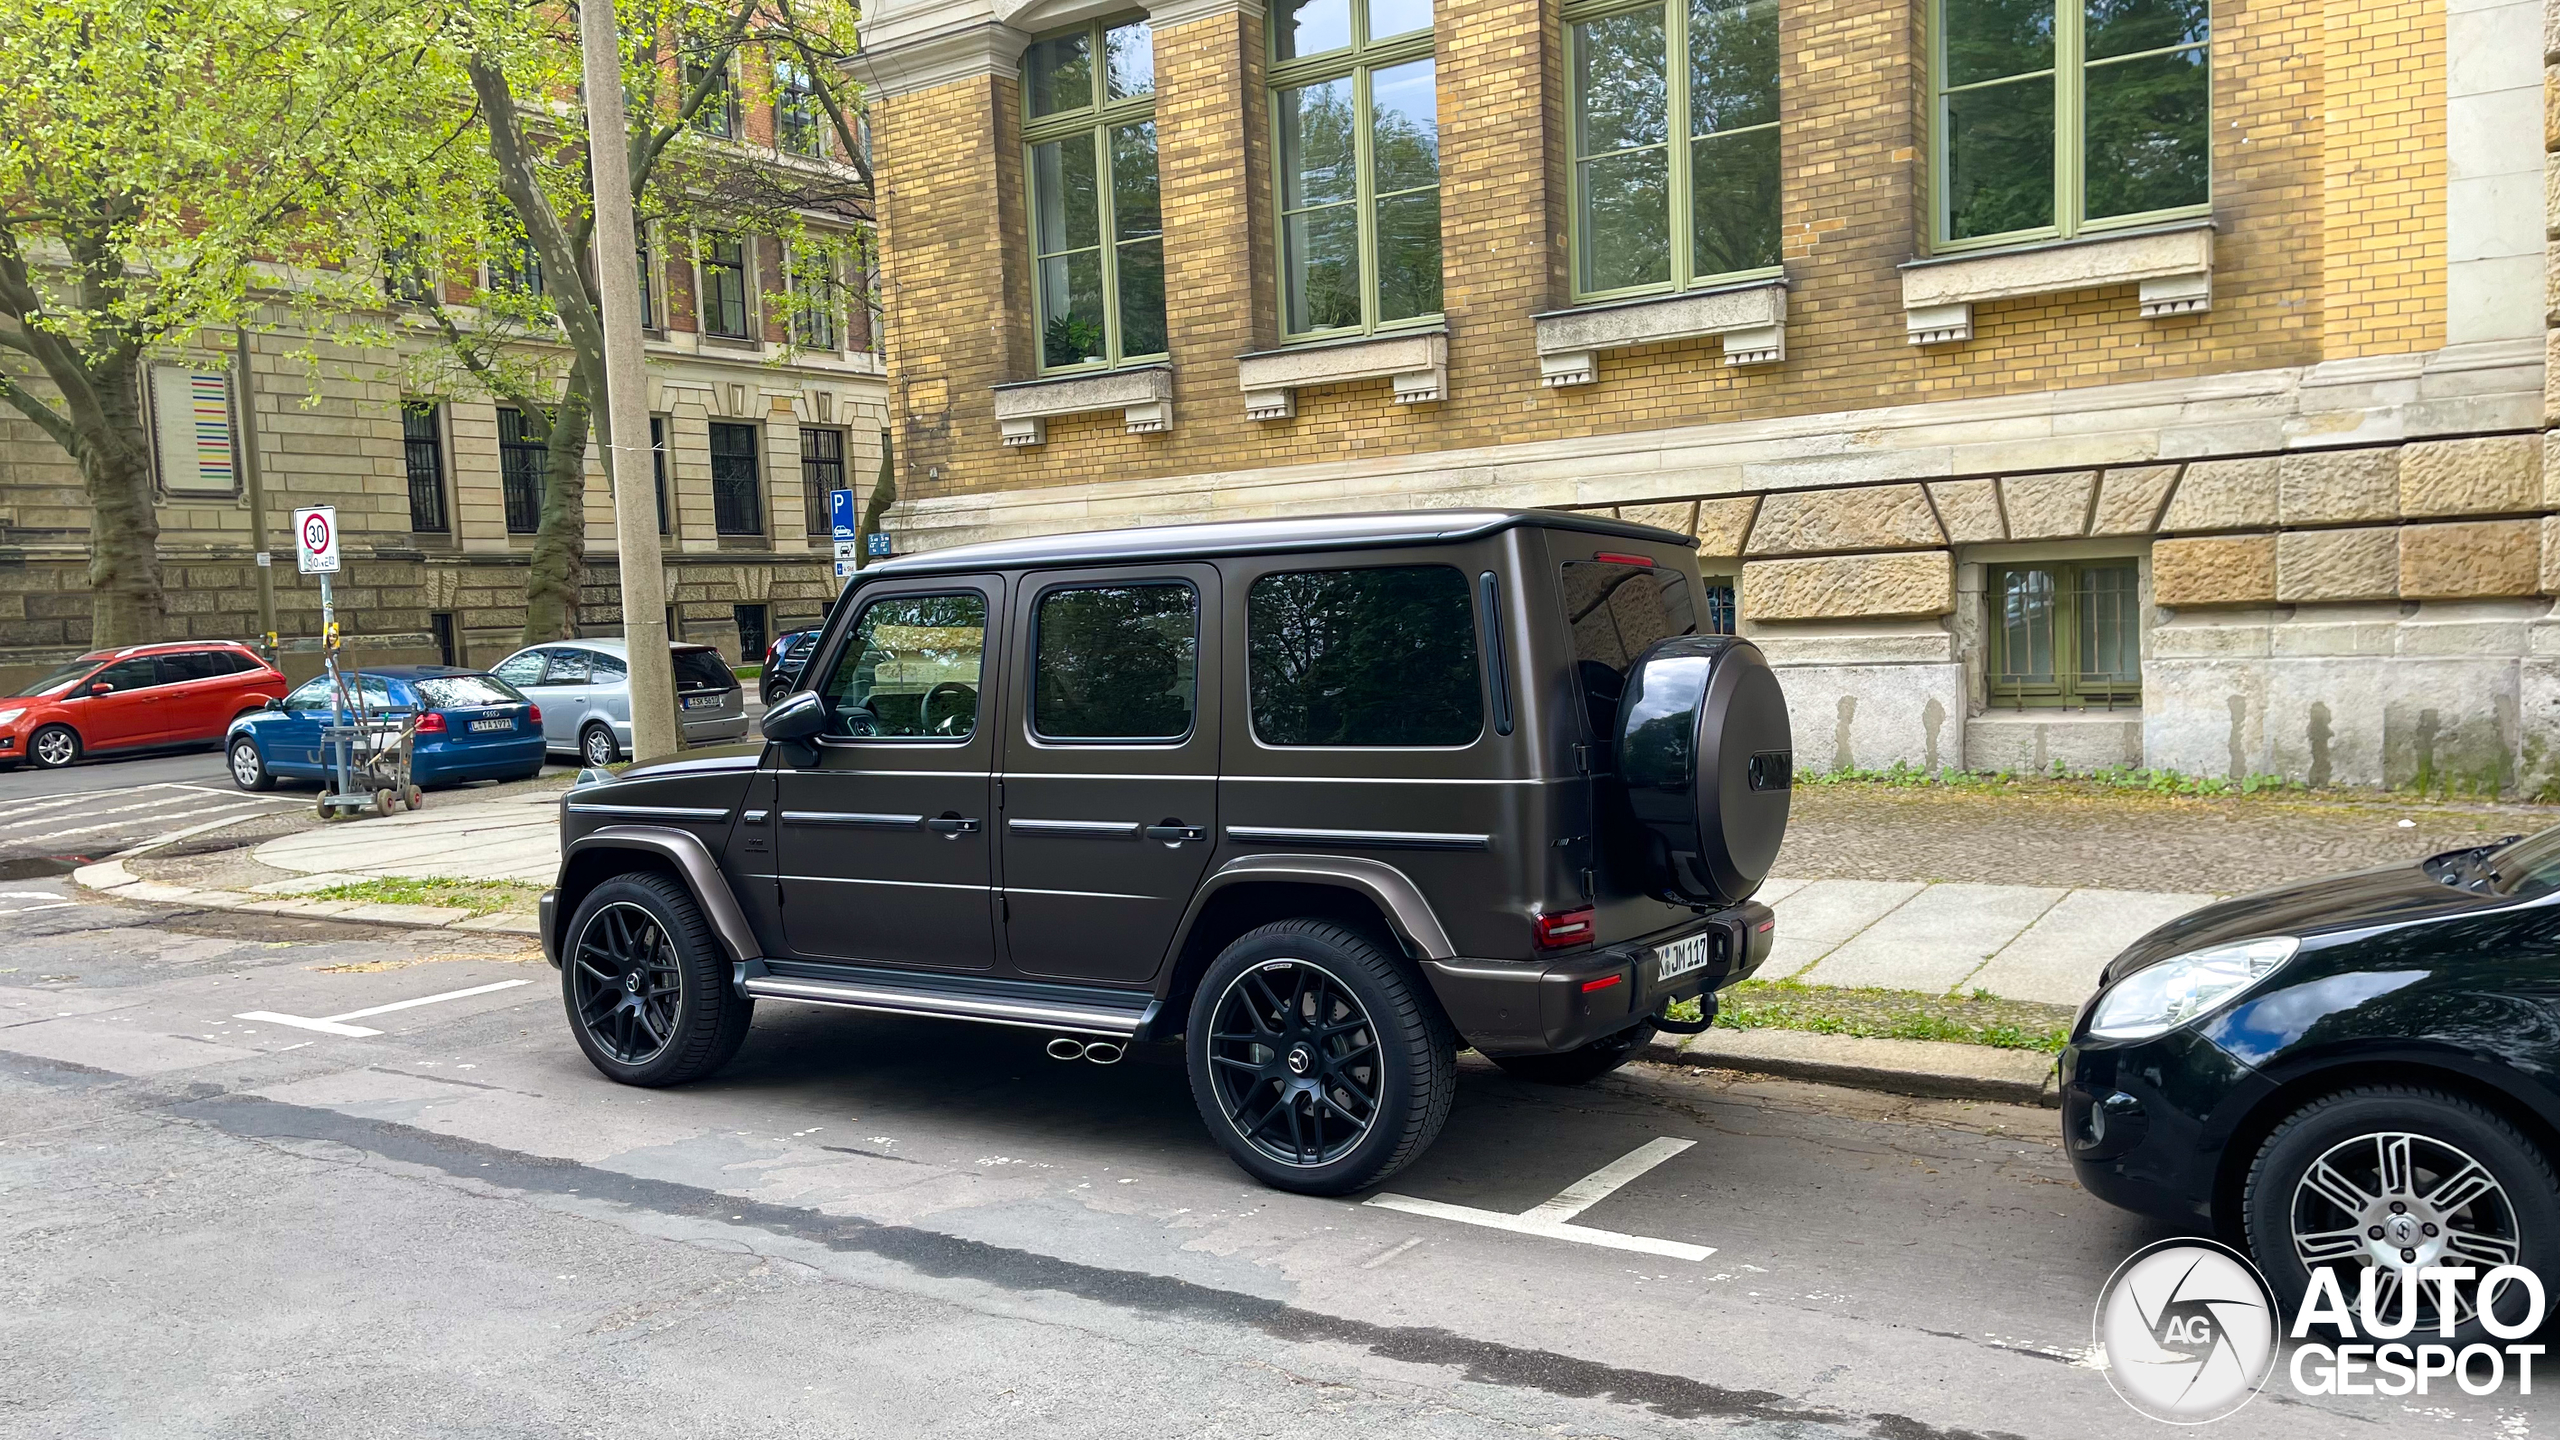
(1564,929)
(533,714)
(431,723)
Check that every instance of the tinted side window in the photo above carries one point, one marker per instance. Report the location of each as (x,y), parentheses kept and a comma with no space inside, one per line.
(910,669)
(135,674)
(607,669)
(1616,612)
(520,669)
(186,665)
(1115,662)
(568,667)
(1364,657)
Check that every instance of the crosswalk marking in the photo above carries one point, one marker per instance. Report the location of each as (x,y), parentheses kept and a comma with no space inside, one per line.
(1550,1220)
(336,1024)
(148,806)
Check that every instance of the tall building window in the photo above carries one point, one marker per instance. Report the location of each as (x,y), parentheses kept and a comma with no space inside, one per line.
(1675,143)
(1357,118)
(799,121)
(719,113)
(724,287)
(2054,118)
(817,301)
(521,458)
(2065,634)
(1097,233)
(737,494)
(658,472)
(821,470)
(648,253)
(407,273)
(422,442)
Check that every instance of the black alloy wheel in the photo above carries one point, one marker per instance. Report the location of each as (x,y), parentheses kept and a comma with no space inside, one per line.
(646,985)
(2384,1178)
(1315,1059)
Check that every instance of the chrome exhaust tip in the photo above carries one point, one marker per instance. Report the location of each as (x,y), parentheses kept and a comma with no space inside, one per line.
(1064,1048)
(1104,1052)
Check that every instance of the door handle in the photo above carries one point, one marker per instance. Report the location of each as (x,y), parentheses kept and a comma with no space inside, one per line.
(1177,834)
(951,827)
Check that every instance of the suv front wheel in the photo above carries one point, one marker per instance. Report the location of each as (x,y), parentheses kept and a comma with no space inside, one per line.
(646,986)
(1316,1060)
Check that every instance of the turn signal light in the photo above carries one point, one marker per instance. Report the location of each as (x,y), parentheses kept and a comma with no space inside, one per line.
(431,723)
(533,714)
(1564,929)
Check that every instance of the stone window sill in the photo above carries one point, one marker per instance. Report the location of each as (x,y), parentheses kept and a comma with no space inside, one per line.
(1142,394)
(1751,317)
(2173,265)
(1415,361)
(731,342)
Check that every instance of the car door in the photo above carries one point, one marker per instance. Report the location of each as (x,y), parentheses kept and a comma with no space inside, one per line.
(1110,779)
(289,739)
(608,693)
(885,846)
(566,695)
(128,712)
(195,694)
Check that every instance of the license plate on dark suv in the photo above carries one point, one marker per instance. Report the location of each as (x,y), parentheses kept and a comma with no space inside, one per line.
(1682,956)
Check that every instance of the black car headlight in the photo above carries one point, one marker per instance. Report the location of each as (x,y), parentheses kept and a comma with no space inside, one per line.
(2159,998)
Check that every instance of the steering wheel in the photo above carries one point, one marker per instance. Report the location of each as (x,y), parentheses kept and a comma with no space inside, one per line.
(964,710)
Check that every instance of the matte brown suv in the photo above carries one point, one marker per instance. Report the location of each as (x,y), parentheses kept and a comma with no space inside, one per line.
(1325,799)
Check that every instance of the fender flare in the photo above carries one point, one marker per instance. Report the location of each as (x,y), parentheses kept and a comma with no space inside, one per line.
(693,862)
(1389,888)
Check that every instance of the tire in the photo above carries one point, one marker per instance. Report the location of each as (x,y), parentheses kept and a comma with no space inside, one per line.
(2517,1221)
(54,747)
(596,745)
(771,691)
(249,768)
(683,1022)
(1398,1044)
(1582,1064)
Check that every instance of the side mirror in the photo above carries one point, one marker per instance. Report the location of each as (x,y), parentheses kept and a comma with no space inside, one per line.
(102,688)
(274,702)
(800,718)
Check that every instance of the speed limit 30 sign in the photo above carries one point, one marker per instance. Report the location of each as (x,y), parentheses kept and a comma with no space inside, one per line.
(315,540)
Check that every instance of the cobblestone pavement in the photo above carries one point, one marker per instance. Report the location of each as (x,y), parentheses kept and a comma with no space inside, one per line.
(2076,836)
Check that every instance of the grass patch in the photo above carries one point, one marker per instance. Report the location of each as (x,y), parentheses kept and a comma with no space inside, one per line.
(748,672)
(480,897)
(2113,780)
(1977,1019)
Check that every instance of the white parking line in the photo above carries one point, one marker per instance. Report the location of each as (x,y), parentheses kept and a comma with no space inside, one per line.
(1549,1218)
(336,1024)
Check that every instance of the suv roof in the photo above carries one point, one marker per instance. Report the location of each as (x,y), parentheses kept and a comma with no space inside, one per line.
(162,647)
(1260,537)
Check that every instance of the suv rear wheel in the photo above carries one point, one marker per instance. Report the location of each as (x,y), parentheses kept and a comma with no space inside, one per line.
(646,986)
(1316,1061)
(1582,1064)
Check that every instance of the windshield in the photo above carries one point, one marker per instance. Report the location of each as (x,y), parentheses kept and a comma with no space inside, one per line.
(447,691)
(2528,868)
(60,677)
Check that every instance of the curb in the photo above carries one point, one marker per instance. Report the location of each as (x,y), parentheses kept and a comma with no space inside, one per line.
(1928,1069)
(109,877)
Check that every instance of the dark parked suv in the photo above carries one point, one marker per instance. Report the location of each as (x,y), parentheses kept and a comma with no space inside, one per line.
(1325,799)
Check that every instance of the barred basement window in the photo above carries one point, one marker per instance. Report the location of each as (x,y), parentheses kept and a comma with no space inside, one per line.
(737,496)
(2055,118)
(1097,232)
(521,458)
(1675,165)
(1356,116)
(422,442)
(2065,635)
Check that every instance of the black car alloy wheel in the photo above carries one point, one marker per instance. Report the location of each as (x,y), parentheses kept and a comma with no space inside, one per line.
(1294,1062)
(626,985)
(2389,1200)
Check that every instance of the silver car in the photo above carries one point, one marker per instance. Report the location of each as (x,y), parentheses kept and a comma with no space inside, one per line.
(584,690)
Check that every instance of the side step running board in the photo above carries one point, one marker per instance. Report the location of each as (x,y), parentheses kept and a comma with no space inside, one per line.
(985,1009)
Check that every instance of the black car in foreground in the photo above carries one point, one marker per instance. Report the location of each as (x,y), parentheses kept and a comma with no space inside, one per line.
(2355,1072)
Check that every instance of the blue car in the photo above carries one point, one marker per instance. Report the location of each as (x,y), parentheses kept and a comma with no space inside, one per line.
(471,726)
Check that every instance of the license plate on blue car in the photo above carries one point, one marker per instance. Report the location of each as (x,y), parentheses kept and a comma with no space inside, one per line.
(477,726)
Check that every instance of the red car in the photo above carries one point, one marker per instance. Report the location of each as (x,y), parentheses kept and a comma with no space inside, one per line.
(137,698)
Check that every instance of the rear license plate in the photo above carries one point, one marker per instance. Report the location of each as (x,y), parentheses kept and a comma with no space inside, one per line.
(478,726)
(702,702)
(1682,956)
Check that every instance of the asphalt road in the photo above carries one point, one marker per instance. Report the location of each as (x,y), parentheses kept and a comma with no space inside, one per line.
(212,1225)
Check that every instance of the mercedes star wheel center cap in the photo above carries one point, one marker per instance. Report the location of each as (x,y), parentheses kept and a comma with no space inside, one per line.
(1300,1062)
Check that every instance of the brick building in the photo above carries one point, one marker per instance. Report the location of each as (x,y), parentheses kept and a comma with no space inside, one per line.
(2103,381)
(438,495)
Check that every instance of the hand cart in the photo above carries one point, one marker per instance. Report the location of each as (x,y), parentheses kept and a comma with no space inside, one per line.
(369,755)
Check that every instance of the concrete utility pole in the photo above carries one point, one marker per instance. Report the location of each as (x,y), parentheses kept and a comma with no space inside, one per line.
(628,455)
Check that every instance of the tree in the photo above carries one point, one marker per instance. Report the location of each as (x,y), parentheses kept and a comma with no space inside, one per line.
(689,69)
(160,162)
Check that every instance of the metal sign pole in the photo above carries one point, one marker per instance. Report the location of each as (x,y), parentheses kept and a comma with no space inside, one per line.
(337,684)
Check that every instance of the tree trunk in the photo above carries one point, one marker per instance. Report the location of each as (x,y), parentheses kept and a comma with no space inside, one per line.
(559,561)
(114,450)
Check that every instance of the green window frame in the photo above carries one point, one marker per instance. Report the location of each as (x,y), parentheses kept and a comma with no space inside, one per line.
(2056,118)
(1355,136)
(1675,169)
(2064,634)
(1097,223)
